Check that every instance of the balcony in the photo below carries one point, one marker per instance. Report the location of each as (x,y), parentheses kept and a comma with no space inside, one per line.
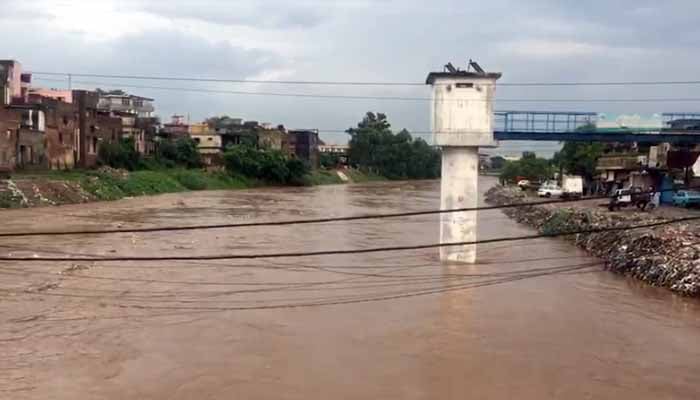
(621,162)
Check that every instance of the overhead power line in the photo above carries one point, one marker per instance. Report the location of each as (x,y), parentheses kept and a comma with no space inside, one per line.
(355,83)
(339,252)
(385,98)
(316,220)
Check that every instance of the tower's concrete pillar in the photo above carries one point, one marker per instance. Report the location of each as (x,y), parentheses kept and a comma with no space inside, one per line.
(462,121)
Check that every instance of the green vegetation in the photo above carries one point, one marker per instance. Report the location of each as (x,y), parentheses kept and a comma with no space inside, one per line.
(106,186)
(66,175)
(561,220)
(361,177)
(121,154)
(579,158)
(329,160)
(497,163)
(529,167)
(7,200)
(181,153)
(376,149)
(267,165)
(324,177)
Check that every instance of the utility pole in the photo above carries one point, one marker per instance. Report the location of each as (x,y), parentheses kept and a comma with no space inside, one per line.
(462,121)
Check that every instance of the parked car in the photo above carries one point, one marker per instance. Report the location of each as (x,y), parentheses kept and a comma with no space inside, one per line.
(549,190)
(686,198)
(632,196)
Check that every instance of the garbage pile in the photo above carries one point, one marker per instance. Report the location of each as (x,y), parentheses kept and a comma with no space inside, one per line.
(667,256)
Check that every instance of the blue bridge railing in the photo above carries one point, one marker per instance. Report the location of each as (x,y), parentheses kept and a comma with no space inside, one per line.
(543,121)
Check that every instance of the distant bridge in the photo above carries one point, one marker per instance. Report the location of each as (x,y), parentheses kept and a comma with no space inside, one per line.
(581,127)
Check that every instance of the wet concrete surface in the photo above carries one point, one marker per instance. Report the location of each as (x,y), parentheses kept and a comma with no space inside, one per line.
(533,320)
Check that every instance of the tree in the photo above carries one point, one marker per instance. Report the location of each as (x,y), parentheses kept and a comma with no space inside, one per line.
(498,162)
(265,164)
(371,133)
(182,152)
(374,147)
(329,160)
(119,154)
(529,166)
(577,158)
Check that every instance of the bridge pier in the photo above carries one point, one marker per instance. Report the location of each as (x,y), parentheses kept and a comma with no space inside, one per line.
(462,121)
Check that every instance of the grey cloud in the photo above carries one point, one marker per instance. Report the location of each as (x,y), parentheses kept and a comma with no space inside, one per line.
(157,53)
(271,14)
(174,53)
(396,40)
(18,10)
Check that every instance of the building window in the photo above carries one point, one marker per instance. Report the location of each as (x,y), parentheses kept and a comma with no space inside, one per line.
(114,134)
(197,140)
(65,120)
(94,145)
(60,137)
(126,102)
(8,134)
(138,103)
(93,128)
(35,120)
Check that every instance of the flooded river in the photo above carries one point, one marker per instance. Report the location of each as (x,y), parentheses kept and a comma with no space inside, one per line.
(535,319)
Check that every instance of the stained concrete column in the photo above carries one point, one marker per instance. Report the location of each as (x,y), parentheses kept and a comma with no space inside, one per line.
(462,121)
(460,174)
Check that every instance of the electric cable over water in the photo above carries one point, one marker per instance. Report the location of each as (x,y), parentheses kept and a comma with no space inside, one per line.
(320,220)
(351,251)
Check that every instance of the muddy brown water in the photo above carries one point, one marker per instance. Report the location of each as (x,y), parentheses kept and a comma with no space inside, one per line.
(532,320)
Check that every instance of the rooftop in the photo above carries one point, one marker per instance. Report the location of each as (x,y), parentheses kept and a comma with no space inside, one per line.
(120,94)
(450,71)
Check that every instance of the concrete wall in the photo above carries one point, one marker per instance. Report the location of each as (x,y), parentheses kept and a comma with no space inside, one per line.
(303,144)
(11,77)
(462,112)
(31,148)
(61,95)
(271,139)
(60,135)
(9,127)
(207,143)
(198,129)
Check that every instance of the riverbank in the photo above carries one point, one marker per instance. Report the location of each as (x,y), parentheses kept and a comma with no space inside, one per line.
(50,188)
(667,256)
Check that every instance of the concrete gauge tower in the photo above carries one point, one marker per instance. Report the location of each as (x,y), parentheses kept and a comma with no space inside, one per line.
(462,121)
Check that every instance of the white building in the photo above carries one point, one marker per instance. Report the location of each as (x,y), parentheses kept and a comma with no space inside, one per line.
(120,101)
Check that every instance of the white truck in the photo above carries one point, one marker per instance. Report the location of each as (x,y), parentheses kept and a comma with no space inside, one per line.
(572,187)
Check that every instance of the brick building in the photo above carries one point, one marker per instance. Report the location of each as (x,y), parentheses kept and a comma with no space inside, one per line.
(10,81)
(303,144)
(94,126)
(61,129)
(9,132)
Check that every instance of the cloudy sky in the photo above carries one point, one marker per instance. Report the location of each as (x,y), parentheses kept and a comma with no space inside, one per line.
(359,40)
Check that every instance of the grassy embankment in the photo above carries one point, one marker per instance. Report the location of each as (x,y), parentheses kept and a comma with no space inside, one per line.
(29,189)
(106,186)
